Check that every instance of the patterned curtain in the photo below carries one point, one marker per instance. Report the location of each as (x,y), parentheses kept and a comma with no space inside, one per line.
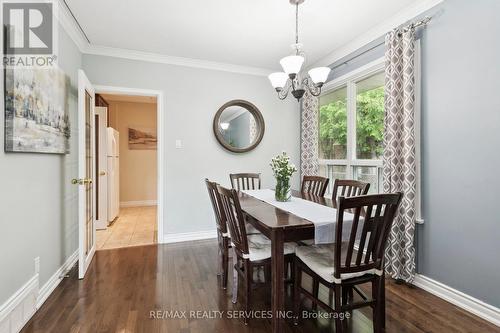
(399,150)
(252,130)
(309,136)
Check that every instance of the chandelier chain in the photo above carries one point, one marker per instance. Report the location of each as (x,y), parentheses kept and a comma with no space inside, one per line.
(297,23)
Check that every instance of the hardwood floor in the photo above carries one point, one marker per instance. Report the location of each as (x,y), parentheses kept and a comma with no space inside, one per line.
(123,286)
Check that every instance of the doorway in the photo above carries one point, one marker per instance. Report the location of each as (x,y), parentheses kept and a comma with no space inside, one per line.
(128,168)
(91,130)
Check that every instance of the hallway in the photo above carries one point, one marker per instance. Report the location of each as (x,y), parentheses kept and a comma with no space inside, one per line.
(134,226)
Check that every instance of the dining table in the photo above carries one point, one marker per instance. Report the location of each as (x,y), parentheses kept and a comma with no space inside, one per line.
(279,226)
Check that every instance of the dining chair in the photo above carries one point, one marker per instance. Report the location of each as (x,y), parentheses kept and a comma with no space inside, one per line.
(344,188)
(250,251)
(223,238)
(314,185)
(349,188)
(245,181)
(343,266)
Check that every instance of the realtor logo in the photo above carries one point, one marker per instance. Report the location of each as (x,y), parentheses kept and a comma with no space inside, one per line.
(29,33)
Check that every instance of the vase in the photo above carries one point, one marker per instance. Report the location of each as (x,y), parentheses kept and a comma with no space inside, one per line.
(282,191)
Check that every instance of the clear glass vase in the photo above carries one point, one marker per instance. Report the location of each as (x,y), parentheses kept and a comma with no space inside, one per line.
(282,191)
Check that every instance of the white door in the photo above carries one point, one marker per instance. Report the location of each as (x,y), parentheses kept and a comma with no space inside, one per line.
(101,174)
(85,181)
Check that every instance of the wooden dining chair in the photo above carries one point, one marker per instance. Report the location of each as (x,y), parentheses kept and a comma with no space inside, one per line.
(250,251)
(223,238)
(349,188)
(341,267)
(245,181)
(314,185)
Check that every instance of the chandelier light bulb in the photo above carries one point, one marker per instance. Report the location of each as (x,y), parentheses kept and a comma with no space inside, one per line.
(278,80)
(292,64)
(319,75)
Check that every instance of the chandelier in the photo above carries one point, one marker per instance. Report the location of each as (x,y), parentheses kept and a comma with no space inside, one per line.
(291,79)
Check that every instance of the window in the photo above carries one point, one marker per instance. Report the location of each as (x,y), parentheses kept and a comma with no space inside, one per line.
(351,127)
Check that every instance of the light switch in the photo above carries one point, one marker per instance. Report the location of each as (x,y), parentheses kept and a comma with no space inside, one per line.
(178,144)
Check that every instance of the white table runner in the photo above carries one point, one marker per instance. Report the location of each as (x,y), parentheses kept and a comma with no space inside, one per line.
(324,218)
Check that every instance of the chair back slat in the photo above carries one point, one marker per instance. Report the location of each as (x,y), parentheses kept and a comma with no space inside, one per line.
(364,234)
(220,216)
(234,216)
(245,181)
(372,218)
(349,188)
(352,237)
(314,185)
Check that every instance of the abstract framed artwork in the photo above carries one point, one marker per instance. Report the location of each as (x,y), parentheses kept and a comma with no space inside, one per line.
(142,138)
(36,111)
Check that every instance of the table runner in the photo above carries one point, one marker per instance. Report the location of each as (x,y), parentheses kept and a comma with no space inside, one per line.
(324,218)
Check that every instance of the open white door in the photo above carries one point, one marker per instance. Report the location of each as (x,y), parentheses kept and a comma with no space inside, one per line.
(86,174)
(101,177)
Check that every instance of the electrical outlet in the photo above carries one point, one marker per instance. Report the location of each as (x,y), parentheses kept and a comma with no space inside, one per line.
(37,265)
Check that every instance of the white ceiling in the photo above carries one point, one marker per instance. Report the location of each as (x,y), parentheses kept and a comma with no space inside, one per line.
(243,32)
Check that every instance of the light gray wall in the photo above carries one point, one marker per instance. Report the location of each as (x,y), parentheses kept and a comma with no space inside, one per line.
(38,212)
(459,243)
(192,97)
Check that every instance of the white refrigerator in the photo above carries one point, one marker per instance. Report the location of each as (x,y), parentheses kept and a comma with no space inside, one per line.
(113,174)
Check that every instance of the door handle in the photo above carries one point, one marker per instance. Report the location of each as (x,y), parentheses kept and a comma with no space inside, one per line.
(81,181)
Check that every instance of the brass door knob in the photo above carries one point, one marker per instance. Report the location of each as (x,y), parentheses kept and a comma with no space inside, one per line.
(80,181)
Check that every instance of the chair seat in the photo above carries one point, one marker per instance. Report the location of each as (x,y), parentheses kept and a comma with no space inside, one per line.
(251,230)
(319,258)
(259,248)
(307,242)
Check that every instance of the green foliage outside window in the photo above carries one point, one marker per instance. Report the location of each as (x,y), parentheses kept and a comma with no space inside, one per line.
(369,126)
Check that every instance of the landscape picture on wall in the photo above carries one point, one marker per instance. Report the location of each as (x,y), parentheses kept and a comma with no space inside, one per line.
(36,111)
(142,138)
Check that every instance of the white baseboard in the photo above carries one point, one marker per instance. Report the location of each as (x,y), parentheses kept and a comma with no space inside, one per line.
(138,203)
(55,279)
(189,236)
(21,306)
(458,298)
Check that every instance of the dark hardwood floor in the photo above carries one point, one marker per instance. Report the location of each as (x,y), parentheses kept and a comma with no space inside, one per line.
(124,286)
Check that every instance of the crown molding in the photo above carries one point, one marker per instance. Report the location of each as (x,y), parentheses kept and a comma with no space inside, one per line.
(172,60)
(72,29)
(70,26)
(378,31)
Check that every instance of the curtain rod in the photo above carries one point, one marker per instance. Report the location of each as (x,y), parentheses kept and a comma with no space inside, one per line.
(413,25)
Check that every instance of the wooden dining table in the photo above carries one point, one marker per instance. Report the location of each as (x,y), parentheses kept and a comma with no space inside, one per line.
(279,226)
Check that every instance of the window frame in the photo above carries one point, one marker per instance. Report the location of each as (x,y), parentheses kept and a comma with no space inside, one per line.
(349,81)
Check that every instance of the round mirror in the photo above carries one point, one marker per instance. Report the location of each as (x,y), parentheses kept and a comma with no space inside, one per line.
(238,126)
